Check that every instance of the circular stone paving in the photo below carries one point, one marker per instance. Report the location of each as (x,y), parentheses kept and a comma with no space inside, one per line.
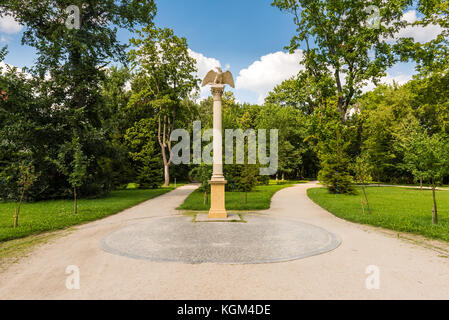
(260,240)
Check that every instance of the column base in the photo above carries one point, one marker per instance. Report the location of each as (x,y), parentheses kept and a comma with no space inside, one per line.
(217,199)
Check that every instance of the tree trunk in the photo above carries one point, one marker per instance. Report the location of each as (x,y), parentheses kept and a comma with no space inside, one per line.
(246,198)
(17,211)
(166,175)
(435,210)
(366,198)
(164,143)
(16,218)
(363,205)
(420,183)
(75,203)
(283,176)
(205,198)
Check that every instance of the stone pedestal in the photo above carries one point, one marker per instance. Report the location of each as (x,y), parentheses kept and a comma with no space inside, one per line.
(217,182)
(217,200)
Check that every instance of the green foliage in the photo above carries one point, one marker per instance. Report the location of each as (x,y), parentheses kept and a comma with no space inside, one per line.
(431,56)
(425,156)
(144,153)
(362,169)
(202,174)
(303,92)
(343,43)
(27,177)
(382,111)
(64,97)
(164,77)
(335,165)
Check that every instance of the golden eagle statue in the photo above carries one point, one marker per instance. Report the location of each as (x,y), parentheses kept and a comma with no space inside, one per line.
(218,77)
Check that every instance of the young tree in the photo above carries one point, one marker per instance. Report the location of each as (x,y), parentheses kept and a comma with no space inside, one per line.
(27,177)
(362,168)
(164,77)
(337,40)
(248,179)
(335,162)
(78,172)
(72,163)
(202,173)
(426,157)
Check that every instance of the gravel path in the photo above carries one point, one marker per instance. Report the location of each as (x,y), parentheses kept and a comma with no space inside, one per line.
(406,270)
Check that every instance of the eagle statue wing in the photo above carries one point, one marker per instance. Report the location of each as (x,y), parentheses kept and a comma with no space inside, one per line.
(209,78)
(228,79)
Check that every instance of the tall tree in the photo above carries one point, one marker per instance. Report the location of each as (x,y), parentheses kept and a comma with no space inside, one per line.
(337,40)
(164,77)
(71,65)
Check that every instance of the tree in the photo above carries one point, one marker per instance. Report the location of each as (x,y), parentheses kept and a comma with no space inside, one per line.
(381,112)
(431,56)
(334,172)
(333,143)
(303,92)
(141,143)
(72,162)
(292,126)
(79,170)
(164,77)
(362,168)
(202,173)
(248,179)
(337,41)
(27,124)
(426,157)
(27,177)
(69,71)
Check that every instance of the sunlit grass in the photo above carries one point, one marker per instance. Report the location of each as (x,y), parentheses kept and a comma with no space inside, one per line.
(258,199)
(400,209)
(45,216)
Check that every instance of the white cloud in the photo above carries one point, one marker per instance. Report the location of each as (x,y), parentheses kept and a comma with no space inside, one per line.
(204,65)
(4,67)
(418,33)
(399,79)
(9,25)
(263,75)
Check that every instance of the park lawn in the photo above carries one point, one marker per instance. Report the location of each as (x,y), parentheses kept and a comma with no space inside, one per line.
(52,215)
(395,208)
(258,199)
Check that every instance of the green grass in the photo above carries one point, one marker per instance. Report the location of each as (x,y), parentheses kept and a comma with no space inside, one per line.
(258,199)
(46,216)
(400,209)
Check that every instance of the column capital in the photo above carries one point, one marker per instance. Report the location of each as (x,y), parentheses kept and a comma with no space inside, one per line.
(217,91)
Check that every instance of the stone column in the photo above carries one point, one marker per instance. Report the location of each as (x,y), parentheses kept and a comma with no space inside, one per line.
(217,182)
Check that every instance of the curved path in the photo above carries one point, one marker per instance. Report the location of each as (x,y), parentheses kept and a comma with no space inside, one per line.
(406,270)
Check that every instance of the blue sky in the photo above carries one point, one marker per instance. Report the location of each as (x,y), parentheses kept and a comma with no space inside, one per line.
(235,32)
(246,36)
